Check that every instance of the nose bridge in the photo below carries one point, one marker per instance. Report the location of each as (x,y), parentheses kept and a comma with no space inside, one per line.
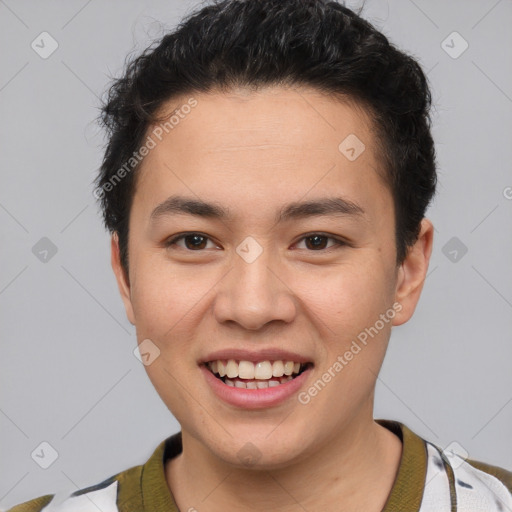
(251,294)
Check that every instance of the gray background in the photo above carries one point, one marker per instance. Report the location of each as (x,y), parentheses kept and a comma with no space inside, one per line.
(68,373)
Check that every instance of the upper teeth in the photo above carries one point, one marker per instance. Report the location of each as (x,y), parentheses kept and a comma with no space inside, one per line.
(249,370)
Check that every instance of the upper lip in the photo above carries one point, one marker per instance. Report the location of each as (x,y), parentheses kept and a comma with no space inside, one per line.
(265,354)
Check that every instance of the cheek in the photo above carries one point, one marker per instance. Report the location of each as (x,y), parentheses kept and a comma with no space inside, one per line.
(346,298)
(171,305)
(161,298)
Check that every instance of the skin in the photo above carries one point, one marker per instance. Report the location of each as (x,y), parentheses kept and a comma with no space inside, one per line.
(253,152)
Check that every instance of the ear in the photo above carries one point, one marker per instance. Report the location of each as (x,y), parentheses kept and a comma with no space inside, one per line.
(121,277)
(412,273)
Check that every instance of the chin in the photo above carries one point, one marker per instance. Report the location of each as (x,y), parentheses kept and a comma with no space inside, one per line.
(260,449)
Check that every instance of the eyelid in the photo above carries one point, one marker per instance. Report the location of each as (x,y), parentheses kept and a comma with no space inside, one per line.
(169,242)
(339,242)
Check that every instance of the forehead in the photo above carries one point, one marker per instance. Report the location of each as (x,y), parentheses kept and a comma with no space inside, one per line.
(277,116)
(262,146)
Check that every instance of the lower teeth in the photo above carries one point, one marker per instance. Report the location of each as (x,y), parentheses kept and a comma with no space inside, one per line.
(257,384)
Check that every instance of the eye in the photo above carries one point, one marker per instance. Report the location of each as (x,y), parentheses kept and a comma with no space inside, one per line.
(192,241)
(196,241)
(316,241)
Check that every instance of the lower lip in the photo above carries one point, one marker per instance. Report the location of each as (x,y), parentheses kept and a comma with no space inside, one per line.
(254,398)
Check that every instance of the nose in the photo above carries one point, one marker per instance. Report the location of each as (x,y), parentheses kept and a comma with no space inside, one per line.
(253,294)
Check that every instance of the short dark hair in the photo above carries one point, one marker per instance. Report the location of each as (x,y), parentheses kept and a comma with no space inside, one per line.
(257,43)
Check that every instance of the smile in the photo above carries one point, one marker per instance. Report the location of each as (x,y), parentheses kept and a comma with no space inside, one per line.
(255,375)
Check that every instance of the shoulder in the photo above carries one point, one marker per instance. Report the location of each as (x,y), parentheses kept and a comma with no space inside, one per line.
(437,478)
(502,474)
(471,484)
(111,495)
(121,492)
(34,505)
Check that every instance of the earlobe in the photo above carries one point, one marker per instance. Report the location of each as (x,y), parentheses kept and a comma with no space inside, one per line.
(121,277)
(412,273)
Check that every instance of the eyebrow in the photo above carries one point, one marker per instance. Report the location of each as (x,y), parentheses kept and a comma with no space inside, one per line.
(328,206)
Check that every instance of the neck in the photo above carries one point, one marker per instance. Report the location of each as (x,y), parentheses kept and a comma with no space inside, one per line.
(352,471)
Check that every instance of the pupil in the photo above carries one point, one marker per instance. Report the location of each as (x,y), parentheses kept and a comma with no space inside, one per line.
(196,238)
(317,238)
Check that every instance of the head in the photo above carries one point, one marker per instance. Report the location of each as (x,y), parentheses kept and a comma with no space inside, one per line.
(290,142)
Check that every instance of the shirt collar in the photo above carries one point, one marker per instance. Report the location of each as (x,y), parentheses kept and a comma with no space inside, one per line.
(406,493)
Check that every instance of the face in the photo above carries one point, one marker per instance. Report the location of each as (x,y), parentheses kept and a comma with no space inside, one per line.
(257,276)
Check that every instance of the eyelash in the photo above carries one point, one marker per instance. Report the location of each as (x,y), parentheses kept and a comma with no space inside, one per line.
(338,243)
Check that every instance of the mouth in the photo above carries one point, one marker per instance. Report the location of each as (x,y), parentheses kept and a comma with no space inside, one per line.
(256,375)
